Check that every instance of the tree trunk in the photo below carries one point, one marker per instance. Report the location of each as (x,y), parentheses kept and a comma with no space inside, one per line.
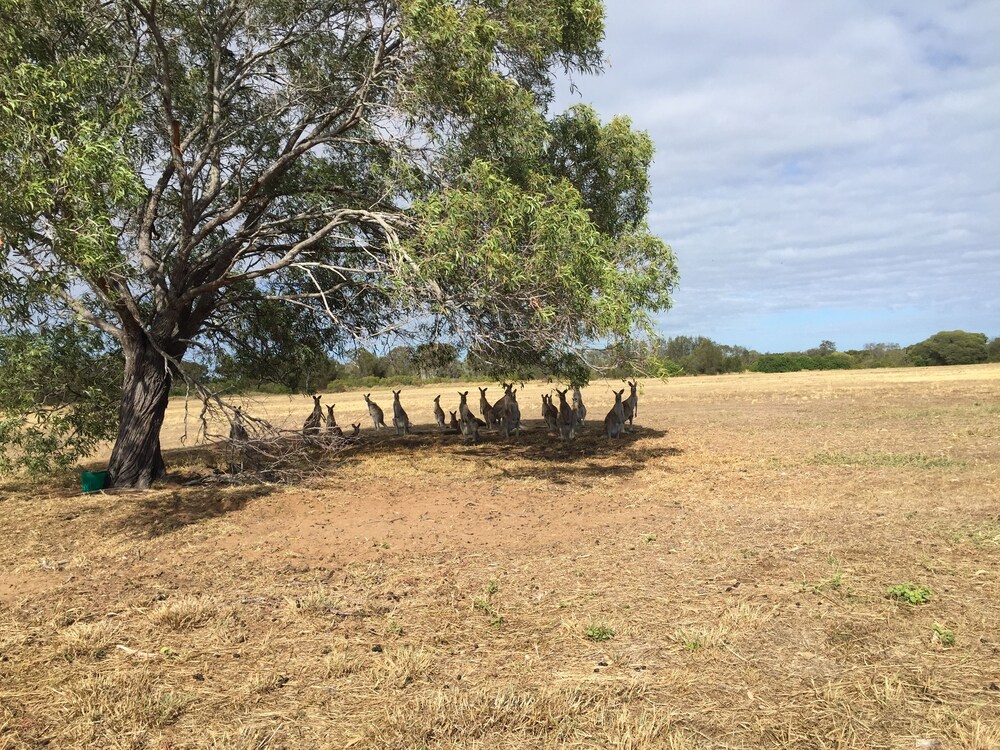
(136,460)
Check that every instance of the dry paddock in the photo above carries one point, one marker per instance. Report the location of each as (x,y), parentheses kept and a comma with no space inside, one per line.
(717,579)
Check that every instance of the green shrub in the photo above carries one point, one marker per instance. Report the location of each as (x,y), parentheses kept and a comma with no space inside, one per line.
(909,593)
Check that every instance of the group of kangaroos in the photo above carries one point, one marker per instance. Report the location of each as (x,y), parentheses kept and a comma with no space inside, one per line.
(504,416)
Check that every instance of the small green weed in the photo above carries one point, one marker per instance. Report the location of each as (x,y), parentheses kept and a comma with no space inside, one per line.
(986,534)
(943,636)
(496,619)
(691,643)
(894,460)
(836,580)
(909,593)
(649,538)
(600,632)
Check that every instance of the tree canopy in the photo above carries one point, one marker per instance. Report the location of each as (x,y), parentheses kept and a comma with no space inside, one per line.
(382,166)
(950,348)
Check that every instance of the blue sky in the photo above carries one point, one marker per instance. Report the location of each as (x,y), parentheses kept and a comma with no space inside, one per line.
(824,170)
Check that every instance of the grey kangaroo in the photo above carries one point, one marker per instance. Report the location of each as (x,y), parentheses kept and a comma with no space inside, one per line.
(439,413)
(399,419)
(376,413)
(453,424)
(614,423)
(630,406)
(238,439)
(489,413)
(567,417)
(470,423)
(550,413)
(578,406)
(332,430)
(314,420)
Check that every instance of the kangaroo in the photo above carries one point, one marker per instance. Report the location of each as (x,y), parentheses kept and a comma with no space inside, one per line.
(314,420)
(238,438)
(470,424)
(567,417)
(489,413)
(501,412)
(438,413)
(507,412)
(355,431)
(630,406)
(332,429)
(376,413)
(399,419)
(546,414)
(237,430)
(453,425)
(501,402)
(614,423)
(550,413)
(579,407)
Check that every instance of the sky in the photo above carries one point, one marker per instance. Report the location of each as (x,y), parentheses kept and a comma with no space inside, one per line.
(824,170)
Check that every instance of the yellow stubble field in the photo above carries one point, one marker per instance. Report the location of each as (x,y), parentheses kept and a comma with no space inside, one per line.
(716,579)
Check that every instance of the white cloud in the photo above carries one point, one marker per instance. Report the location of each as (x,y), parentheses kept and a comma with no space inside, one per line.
(820,157)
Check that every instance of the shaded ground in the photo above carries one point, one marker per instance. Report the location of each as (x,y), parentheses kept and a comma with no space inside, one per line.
(715,580)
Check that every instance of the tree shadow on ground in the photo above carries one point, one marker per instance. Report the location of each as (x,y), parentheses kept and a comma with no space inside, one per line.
(162,512)
(537,453)
(195,494)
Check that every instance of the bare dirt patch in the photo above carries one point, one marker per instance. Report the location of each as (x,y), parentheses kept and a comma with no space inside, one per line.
(715,580)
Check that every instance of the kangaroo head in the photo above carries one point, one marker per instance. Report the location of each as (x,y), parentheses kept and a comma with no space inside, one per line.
(437,398)
(618,394)
(396,393)
(367,398)
(483,390)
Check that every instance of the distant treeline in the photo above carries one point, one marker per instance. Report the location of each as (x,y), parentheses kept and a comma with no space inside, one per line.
(661,357)
(75,367)
(686,355)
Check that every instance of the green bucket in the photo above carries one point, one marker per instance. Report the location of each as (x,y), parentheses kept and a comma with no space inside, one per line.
(93,481)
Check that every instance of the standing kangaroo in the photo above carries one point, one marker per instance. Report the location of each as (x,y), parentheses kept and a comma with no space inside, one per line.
(332,430)
(238,439)
(453,424)
(377,415)
(438,413)
(507,411)
(489,413)
(578,406)
(314,420)
(550,413)
(614,423)
(399,419)
(630,405)
(515,410)
(470,424)
(567,418)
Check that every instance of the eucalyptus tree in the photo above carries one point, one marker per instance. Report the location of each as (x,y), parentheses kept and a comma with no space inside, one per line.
(174,167)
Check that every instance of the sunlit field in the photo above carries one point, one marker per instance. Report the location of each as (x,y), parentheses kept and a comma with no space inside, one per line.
(807,560)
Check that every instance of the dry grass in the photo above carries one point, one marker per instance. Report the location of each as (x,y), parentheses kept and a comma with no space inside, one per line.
(716,580)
